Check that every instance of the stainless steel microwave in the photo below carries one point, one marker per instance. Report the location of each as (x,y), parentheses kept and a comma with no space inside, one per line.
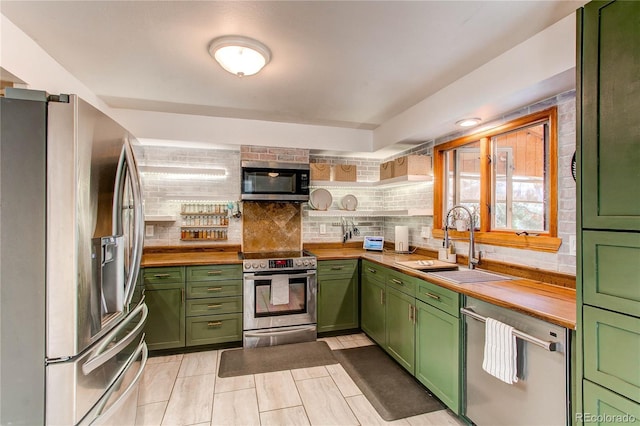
(274,181)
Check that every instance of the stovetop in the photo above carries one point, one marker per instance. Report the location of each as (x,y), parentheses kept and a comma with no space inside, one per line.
(278,261)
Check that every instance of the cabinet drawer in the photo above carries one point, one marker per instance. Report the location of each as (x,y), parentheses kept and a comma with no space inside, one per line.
(402,282)
(202,289)
(214,272)
(611,347)
(163,275)
(374,271)
(439,297)
(214,305)
(341,268)
(611,268)
(603,407)
(211,329)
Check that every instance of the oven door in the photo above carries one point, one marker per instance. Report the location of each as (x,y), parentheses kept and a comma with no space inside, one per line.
(263,310)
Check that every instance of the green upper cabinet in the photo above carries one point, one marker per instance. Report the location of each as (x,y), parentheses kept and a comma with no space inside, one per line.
(400,327)
(611,270)
(610,128)
(338,295)
(372,299)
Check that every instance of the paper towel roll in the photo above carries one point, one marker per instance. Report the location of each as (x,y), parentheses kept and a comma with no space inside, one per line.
(402,238)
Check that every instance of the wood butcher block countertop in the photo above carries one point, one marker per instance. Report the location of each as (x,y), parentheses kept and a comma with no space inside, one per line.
(548,302)
(552,303)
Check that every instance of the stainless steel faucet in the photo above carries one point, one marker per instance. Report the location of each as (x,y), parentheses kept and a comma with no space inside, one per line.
(473,260)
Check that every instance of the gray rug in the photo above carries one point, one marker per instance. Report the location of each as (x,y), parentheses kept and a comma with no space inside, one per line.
(393,392)
(240,362)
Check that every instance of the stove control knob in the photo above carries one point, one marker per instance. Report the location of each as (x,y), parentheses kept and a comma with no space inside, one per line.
(298,262)
(255,265)
(247,265)
(305,263)
(263,264)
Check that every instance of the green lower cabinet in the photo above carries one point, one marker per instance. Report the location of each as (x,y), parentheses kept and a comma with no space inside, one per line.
(165,327)
(400,327)
(210,329)
(438,354)
(338,297)
(372,319)
(603,407)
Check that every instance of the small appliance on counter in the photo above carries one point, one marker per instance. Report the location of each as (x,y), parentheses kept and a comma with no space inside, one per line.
(373,243)
(402,239)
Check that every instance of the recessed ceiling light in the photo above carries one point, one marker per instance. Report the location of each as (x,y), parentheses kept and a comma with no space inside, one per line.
(240,55)
(468,122)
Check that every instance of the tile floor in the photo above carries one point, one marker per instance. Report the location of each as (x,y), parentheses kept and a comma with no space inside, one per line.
(185,390)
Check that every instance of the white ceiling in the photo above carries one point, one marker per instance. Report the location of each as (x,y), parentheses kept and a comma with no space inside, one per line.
(351,64)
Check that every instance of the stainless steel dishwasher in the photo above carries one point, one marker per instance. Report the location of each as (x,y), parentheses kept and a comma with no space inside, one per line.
(541,395)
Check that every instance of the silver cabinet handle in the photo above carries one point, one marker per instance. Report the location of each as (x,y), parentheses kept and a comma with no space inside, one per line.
(214,288)
(161,275)
(373,271)
(216,272)
(214,323)
(431,295)
(397,281)
(214,306)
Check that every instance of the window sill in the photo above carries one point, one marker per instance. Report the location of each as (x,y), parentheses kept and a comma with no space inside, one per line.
(528,242)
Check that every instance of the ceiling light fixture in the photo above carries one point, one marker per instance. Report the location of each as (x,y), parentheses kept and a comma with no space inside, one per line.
(239,55)
(468,122)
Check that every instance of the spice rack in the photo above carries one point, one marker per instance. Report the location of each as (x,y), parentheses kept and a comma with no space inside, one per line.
(204,221)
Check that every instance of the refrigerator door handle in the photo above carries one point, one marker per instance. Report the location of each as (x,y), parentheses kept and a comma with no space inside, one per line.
(142,349)
(101,356)
(127,162)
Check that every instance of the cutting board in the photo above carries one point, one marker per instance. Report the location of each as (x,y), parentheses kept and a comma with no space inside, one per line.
(437,265)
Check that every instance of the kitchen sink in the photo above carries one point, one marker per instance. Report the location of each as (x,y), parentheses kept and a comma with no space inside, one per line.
(464,276)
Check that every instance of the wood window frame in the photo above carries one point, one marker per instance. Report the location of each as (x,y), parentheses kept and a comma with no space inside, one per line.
(545,241)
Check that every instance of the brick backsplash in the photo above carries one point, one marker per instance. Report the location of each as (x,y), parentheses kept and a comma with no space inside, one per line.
(264,153)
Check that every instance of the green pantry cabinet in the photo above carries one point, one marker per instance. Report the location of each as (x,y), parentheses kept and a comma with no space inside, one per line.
(608,153)
(338,295)
(193,305)
(418,324)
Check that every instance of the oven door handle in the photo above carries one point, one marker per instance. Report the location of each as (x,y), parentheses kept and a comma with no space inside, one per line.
(278,333)
(266,277)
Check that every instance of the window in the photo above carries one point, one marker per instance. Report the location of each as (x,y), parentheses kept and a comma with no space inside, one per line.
(507,177)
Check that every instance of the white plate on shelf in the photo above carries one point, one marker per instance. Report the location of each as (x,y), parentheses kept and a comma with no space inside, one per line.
(349,202)
(320,199)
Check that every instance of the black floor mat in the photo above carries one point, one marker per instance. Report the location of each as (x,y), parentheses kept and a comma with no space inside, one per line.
(393,392)
(240,362)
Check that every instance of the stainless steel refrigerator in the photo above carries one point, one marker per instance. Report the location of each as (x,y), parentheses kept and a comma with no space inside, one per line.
(71,217)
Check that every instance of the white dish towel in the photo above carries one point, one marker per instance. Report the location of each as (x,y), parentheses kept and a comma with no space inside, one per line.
(500,353)
(280,290)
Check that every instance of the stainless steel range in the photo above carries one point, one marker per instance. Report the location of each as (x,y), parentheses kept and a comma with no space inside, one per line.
(279,298)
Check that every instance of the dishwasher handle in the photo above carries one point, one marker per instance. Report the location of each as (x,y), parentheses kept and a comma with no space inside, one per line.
(550,346)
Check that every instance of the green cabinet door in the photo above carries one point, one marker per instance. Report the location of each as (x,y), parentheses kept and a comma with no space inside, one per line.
(400,327)
(438,353)
(338,298)
(372,320)
(165,327)
(610,83)
(603,407)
